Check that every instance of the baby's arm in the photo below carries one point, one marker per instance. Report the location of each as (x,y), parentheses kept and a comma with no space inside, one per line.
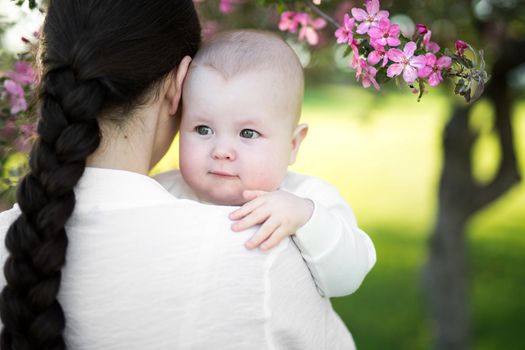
(337,252)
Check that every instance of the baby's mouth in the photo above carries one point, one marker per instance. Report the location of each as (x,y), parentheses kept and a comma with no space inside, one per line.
(222,174)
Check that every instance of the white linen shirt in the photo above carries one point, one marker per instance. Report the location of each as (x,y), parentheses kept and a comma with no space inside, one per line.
(145,270)
(338,253)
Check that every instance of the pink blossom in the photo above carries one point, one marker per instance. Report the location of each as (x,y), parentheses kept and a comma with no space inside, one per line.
(317,2)
(433,68)
(430,45)
(16,96)
(460,47)
(309,28)
(370,17)
(344,34)
(22,144)
(226,6)
(28,130)
(24,141)
(406,62)
(209,29)
(355,56)
(23,73)
(13,88)
(377,55)
(289,21)
(367,74)
(421,28)
(385,33)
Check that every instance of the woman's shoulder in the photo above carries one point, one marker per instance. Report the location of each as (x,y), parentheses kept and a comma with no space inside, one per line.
(174,183)
(159,215)
(169,179)
(7,217)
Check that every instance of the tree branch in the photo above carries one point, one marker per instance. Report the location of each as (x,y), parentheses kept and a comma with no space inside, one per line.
(322,14)
(498,91)
(508,173)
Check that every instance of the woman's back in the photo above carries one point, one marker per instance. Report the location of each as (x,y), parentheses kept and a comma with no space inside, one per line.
(107,259)
(146,270)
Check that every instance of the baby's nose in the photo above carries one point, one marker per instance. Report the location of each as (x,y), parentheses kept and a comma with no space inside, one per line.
(223,153)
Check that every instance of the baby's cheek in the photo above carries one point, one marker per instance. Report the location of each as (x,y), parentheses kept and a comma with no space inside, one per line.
(265,181)
(192,170)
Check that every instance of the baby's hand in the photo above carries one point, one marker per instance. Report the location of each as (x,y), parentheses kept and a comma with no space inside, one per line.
(280,213)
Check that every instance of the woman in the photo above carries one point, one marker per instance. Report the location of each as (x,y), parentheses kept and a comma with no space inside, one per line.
(100,256)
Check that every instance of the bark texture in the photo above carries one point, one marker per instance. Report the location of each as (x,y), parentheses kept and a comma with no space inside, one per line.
(446,276)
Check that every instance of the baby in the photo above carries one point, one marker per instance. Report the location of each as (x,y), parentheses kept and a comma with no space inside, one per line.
(239,132)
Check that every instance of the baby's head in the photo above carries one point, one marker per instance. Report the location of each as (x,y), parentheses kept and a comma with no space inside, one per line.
(241,106)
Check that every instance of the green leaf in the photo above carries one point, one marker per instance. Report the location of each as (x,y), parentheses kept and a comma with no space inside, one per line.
(449,53)
(348,51)
(421,89)
(466,95)
(459,86)
(381,77)
(469,63)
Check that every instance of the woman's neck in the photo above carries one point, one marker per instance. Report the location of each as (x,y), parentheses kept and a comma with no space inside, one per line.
(142,141)
(128,147)
(121,153)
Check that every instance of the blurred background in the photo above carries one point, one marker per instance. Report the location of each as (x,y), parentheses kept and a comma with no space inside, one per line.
(436,183)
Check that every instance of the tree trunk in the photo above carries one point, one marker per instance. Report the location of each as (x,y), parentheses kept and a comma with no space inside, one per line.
(447,287)
(445,278)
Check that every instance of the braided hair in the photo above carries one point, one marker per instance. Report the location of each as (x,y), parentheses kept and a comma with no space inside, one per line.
(96,56)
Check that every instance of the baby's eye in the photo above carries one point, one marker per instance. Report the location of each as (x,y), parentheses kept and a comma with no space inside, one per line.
(203,130)
(249,134)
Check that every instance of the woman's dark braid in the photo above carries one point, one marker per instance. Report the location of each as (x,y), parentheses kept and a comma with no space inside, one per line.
(97,56)
(68,133)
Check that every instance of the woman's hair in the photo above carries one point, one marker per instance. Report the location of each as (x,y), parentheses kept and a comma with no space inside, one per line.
(96,56)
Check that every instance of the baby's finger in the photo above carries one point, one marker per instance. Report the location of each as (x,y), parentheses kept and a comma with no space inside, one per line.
(262,234)
(252,194)
(278,235)
(257,216)
(246,209)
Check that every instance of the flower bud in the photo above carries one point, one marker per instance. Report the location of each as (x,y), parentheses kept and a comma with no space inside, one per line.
(460,47)
(421,28)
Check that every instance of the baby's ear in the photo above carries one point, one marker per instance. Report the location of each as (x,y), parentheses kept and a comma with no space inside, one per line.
(175,82)
(298,136)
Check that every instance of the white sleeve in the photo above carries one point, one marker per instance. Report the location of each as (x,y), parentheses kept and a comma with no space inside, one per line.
(338,253)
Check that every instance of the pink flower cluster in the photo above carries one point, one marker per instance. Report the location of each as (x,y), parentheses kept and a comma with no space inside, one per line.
(228,6)
(13,87)
(308,26)
(12,96)
(20,136)
(372,26)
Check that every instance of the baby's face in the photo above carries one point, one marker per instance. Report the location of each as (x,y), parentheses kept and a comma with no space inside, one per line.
(235,135)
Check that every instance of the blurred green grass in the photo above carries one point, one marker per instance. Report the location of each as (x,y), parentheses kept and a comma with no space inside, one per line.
(383,153)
